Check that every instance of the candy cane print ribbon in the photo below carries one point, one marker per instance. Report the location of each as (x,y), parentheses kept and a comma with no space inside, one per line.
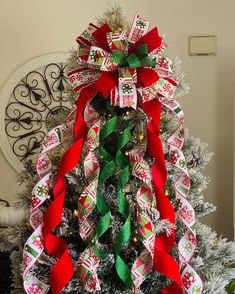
(34,245)
(145,201)
(187,244)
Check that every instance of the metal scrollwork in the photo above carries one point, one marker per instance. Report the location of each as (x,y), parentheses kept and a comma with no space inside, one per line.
(38,96)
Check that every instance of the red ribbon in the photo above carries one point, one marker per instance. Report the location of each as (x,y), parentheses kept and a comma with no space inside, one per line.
(100,36)
(163,261)
(152,38)
(63,270)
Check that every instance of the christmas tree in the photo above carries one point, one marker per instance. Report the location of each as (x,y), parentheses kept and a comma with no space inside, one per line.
(116,193)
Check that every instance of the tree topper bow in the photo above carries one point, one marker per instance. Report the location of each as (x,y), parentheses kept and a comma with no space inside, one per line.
(123,65)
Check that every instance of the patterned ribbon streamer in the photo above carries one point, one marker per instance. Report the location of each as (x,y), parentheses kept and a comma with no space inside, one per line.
(90,258)
(145,201)
(88,263)
(34,245)
(87,200)
(187,244)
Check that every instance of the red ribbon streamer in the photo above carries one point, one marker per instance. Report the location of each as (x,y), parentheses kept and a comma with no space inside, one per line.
(63,270)
(163,261)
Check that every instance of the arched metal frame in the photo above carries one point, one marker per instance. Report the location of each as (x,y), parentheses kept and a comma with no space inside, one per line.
(28,98)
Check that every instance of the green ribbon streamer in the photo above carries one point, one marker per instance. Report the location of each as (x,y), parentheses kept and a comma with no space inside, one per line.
(107,171)
(124,233)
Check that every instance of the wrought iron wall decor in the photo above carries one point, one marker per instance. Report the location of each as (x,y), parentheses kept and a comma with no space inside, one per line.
(38,95)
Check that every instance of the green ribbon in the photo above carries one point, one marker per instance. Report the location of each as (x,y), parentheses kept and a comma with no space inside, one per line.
(107,171)
(133,61)
(124,233)
(119,57)
(137,59)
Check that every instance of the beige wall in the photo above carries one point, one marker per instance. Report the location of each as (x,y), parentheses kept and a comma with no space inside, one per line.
(29,28)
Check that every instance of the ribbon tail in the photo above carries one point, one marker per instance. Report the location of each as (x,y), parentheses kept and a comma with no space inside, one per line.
(63,270)
(163,261)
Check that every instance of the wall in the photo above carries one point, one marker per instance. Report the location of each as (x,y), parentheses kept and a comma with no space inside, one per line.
(29,28)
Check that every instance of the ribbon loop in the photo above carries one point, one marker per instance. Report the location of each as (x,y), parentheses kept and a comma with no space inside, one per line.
(138,29)
(118,41)
(133,61)
(100,59)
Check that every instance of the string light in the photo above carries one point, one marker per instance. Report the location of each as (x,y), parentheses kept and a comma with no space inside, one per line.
(135,239)
(48,197)
(154,203)
(167,192)
(141,137)
(128,113)
(75,212)
(126,153)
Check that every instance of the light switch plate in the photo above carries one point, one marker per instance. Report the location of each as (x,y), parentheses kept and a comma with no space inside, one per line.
(202,45)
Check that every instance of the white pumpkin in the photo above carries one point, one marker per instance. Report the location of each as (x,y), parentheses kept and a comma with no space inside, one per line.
(10,216)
